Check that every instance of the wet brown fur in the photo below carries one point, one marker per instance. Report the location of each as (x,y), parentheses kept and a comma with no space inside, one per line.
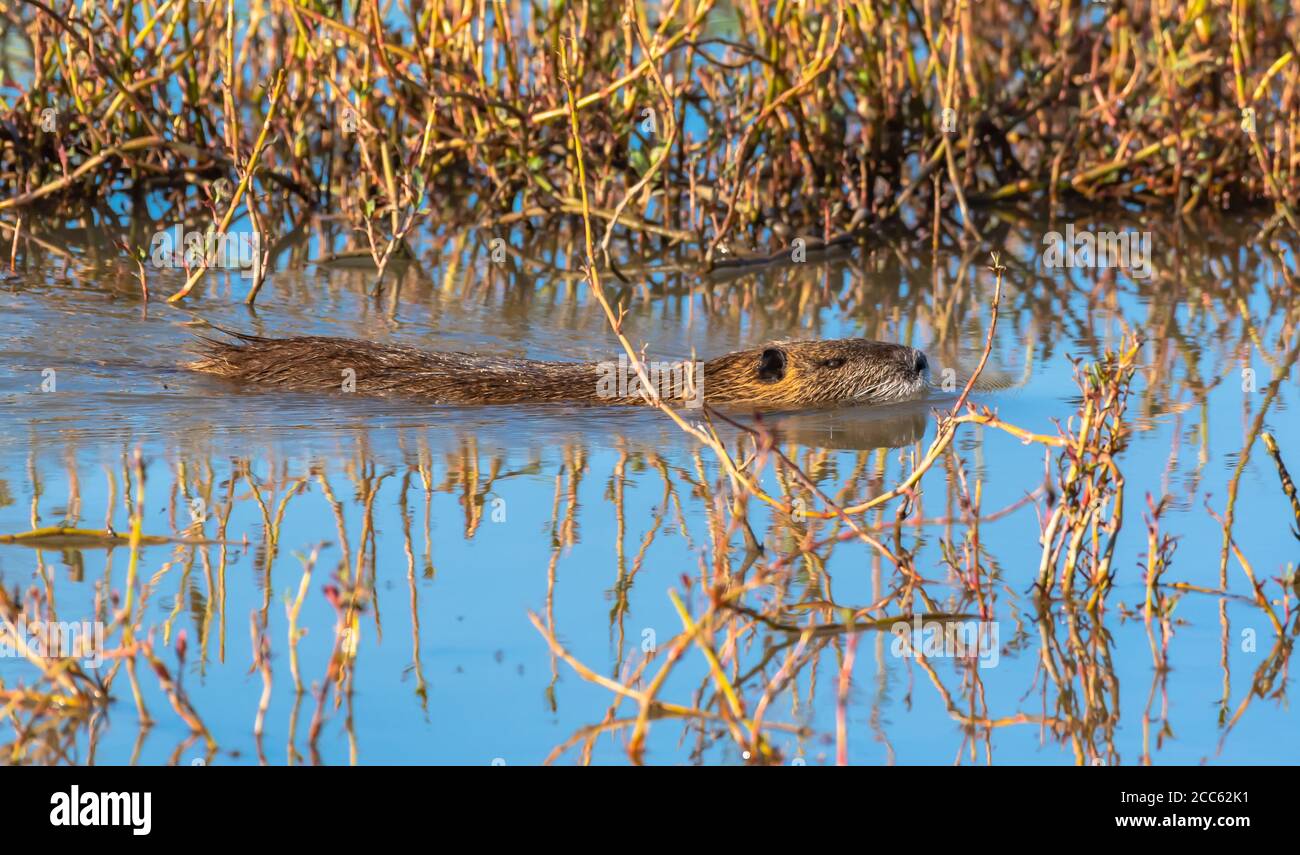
(778,375)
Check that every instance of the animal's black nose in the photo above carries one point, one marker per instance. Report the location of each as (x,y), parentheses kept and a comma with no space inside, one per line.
(920,365)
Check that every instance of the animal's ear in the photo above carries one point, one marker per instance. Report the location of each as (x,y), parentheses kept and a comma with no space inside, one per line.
(771,365)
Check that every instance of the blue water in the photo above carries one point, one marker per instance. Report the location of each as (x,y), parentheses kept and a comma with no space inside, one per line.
(554,510)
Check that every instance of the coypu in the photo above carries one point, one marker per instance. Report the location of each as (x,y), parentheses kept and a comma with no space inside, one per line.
(785,374)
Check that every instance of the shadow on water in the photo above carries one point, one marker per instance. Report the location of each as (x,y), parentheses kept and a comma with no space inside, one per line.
(298,578)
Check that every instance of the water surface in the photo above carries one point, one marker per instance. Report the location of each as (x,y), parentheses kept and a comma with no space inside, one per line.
(454,524)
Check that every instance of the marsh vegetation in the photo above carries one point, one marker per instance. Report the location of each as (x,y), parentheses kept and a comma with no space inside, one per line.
(1078,547)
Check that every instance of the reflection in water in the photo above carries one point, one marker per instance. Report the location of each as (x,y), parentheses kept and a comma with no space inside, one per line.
(303,579)
(862,428)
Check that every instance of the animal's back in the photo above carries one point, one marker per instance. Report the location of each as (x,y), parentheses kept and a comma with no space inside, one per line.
(319,363)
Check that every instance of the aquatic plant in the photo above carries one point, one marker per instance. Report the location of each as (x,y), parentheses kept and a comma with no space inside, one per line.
(706,123)
(696,125)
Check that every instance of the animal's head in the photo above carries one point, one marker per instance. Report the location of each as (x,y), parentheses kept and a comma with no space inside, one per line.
(818,373)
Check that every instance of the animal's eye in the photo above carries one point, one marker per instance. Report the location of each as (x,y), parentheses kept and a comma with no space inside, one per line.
(832,363)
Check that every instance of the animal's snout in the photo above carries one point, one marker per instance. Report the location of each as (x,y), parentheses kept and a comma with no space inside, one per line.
(919,363)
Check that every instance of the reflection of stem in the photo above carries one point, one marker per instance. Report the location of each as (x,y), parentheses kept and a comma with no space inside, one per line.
(656,709)
(337,508)
(1288,486)
(292,610)
(843,684)
(420,690)
(262,662)
(1243,458)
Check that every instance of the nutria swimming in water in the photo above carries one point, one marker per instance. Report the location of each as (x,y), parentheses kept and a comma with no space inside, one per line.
(783,374)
